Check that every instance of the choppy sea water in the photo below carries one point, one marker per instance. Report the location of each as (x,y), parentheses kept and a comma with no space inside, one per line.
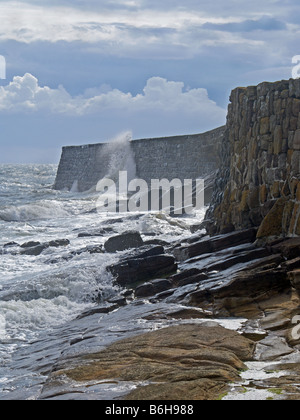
(39,293)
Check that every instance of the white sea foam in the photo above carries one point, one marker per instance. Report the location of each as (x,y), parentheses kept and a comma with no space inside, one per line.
(19,317)
(53,294)
(34,211)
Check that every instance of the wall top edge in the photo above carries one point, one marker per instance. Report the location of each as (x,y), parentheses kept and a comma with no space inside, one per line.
(189,136)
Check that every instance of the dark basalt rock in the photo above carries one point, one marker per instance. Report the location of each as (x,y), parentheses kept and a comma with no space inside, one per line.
(36,248)
(153,287)
(11,244)
(190,276)
(146,264)
(142,269)
(30,244)
(127,240)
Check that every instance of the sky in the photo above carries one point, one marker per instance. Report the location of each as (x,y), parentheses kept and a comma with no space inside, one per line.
(84,71)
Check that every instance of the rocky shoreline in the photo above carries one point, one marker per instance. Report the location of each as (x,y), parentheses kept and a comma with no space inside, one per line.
(213,316)
(173,337)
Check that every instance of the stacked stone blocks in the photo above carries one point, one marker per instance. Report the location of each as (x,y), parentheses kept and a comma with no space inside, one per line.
(263,142)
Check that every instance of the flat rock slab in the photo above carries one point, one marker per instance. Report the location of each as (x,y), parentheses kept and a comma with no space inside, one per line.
(272,348)
(215,244)
(185,362)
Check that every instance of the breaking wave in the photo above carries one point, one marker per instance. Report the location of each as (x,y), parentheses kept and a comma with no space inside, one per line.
(35,211)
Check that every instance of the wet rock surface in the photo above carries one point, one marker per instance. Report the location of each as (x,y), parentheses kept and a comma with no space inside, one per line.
(182,362)
(128,240)
(36,248)
(149,263)
(159,338)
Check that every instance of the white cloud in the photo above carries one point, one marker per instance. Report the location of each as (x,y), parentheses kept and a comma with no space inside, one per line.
(156,30)
(134,27)
(28,23)
(24,94)
(163,108)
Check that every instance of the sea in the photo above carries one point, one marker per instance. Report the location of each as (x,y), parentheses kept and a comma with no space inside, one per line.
(41,293)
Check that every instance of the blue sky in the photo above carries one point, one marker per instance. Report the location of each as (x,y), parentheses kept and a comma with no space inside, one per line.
(84,71)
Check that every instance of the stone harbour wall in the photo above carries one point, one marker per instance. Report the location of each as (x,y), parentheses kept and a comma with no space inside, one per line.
(183,157)
(258,184)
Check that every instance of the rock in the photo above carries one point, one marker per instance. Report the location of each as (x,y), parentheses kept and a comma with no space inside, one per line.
(128,293)
(152,288)
(195,238)
(189,313)
(260,163)
(190,276)
(120,301)
(92,249)
(95,249)
(35,251)
(267,263)
(10,245)
(275,320)
(161,296)
(215,244)
(272,348)
(292,264)
(294,277)
(134,270)
(101,232)
(290,248)
(246,294)
(30,244)
(147,251)
(241,258)
(186,362)
(38,248)
(156,242)
(197,227)
(127,240)
(272,223)
(58,243)
(98,310)
(254,335)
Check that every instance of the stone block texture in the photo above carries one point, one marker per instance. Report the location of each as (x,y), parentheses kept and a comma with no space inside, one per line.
(258,184)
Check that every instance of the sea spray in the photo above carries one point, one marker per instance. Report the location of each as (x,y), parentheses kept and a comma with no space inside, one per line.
(119,157)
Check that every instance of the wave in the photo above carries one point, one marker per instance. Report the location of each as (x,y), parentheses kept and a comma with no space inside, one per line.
(35,211)
(20,316)
(53,297)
